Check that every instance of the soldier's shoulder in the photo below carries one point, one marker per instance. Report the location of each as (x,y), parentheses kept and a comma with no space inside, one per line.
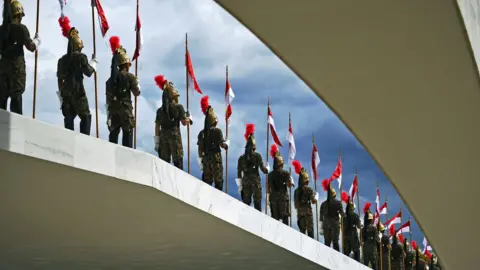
(285,173)
(241,157)
(200,134)
(257,155)
(131,77)
(217,130)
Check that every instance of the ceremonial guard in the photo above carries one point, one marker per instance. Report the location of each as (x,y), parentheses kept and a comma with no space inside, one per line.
(386,247)
(351,225)
(168,138)
(247,171)
(119,88)
(331,211)
(397,255)
(279,180)
(420,263)
(210,142)
(434,264)
(409,255)
(371,239)
(70,71)
(14,36)
(304,197)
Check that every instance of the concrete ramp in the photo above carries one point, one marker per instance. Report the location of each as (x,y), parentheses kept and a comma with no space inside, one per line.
(69,201)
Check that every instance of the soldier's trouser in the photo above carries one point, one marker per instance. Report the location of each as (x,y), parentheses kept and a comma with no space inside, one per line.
(370,258)
(73,107)
(213,170)
(171,147)
(12,84)
(385,265)
(274,207)
(117,124)
(397,264)
(352,244)
(252,187)
(331,233)
(305,224)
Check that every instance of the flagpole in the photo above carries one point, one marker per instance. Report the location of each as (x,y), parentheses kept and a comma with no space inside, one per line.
(340,195)
(315,181)
(358,210)
(410,232)
(226,134)
(386,216)
(36,65)
(401,223)
(95,72)
(378,223)
(136,75)
(268,142)
(188,101)
(290,172)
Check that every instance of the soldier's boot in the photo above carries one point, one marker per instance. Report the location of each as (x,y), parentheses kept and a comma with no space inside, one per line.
(85,124)
(356,255)
(285,220)
(178,163)
(127,138)
(16,104)
(258,205)
(219,185)
(336,246)
(68,123)
(310,234)
(328,242)
(113,136)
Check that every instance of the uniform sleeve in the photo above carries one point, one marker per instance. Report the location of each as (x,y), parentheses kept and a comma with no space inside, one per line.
(357,221)
(377,236)
(322,211)
(240,166)
(26,35)
(260,163)
(87,70)
(219,136)
(340,209)
(135,85)
(157,117)
(108,92)
(180,112)
(60,74)
(200,143)
(311,194)
(270,183)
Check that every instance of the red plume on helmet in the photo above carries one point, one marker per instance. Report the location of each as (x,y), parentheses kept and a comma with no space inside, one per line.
(114,43)
(273,150)
(160,81)
(428,254)
(414,245)
(249,130)
(325,184)
(204,104)
(65,25)
(392,230)
(366,207)
(345,197)
(401,238)
(297,166)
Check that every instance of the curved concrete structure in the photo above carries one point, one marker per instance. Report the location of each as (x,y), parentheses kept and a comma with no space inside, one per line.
(401,75)
(69,201)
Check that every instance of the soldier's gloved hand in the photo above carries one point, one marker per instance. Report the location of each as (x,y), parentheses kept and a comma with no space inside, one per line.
(238,181)
(37,40)
(93,63)
(268,167)
(200,163)
(109,123)
(60,99)
(268,198)
(156,140)
(227,142)
(292,182)
(189,116)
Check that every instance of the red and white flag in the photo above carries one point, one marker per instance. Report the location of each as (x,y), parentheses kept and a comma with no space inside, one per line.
(397,219)
(425,245)
(337,174)
(229,96)
(101,17)
(383,209)
(292,151)
(273,130)
(377,211)
(139,38)
(354,188)
(315,162)
(191,73)
(405,228)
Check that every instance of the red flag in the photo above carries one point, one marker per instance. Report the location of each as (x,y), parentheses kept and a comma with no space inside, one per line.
(191,74)
(315,162)
(101,17)
(337,174)
(354,188)
(139,38)
(271,122)
(229,96)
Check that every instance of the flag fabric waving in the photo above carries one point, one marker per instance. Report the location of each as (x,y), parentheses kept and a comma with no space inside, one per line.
(337,174)
(101,17)
(353,188)
(383,209)
(191,73)
(396,219)
(405,228)
(229,96)
(292,151)
(425,245)
(315,162)
(139,37)
(273,130)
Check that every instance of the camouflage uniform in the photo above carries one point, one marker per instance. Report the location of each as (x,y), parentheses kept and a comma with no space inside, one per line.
(278,182)
(351,225)
(248,166)
(210,142)
(434,265)
(409,256)
(13,37)
(168,119)
(330,213)
(397,254)
(420,263)
(371,239)
(386,260)
(304,196)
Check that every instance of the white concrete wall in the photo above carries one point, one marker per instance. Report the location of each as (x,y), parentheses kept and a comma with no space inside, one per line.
(25,136)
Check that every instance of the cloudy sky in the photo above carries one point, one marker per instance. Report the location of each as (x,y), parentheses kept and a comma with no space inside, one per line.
(216,39)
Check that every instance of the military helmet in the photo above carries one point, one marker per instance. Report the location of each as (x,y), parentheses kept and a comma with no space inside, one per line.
(249,136)
(381,228)
(17,8)
(122,57)
(303,177)
(210,117)
(277,157)
(75,40)
(370,216)
(168,88)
